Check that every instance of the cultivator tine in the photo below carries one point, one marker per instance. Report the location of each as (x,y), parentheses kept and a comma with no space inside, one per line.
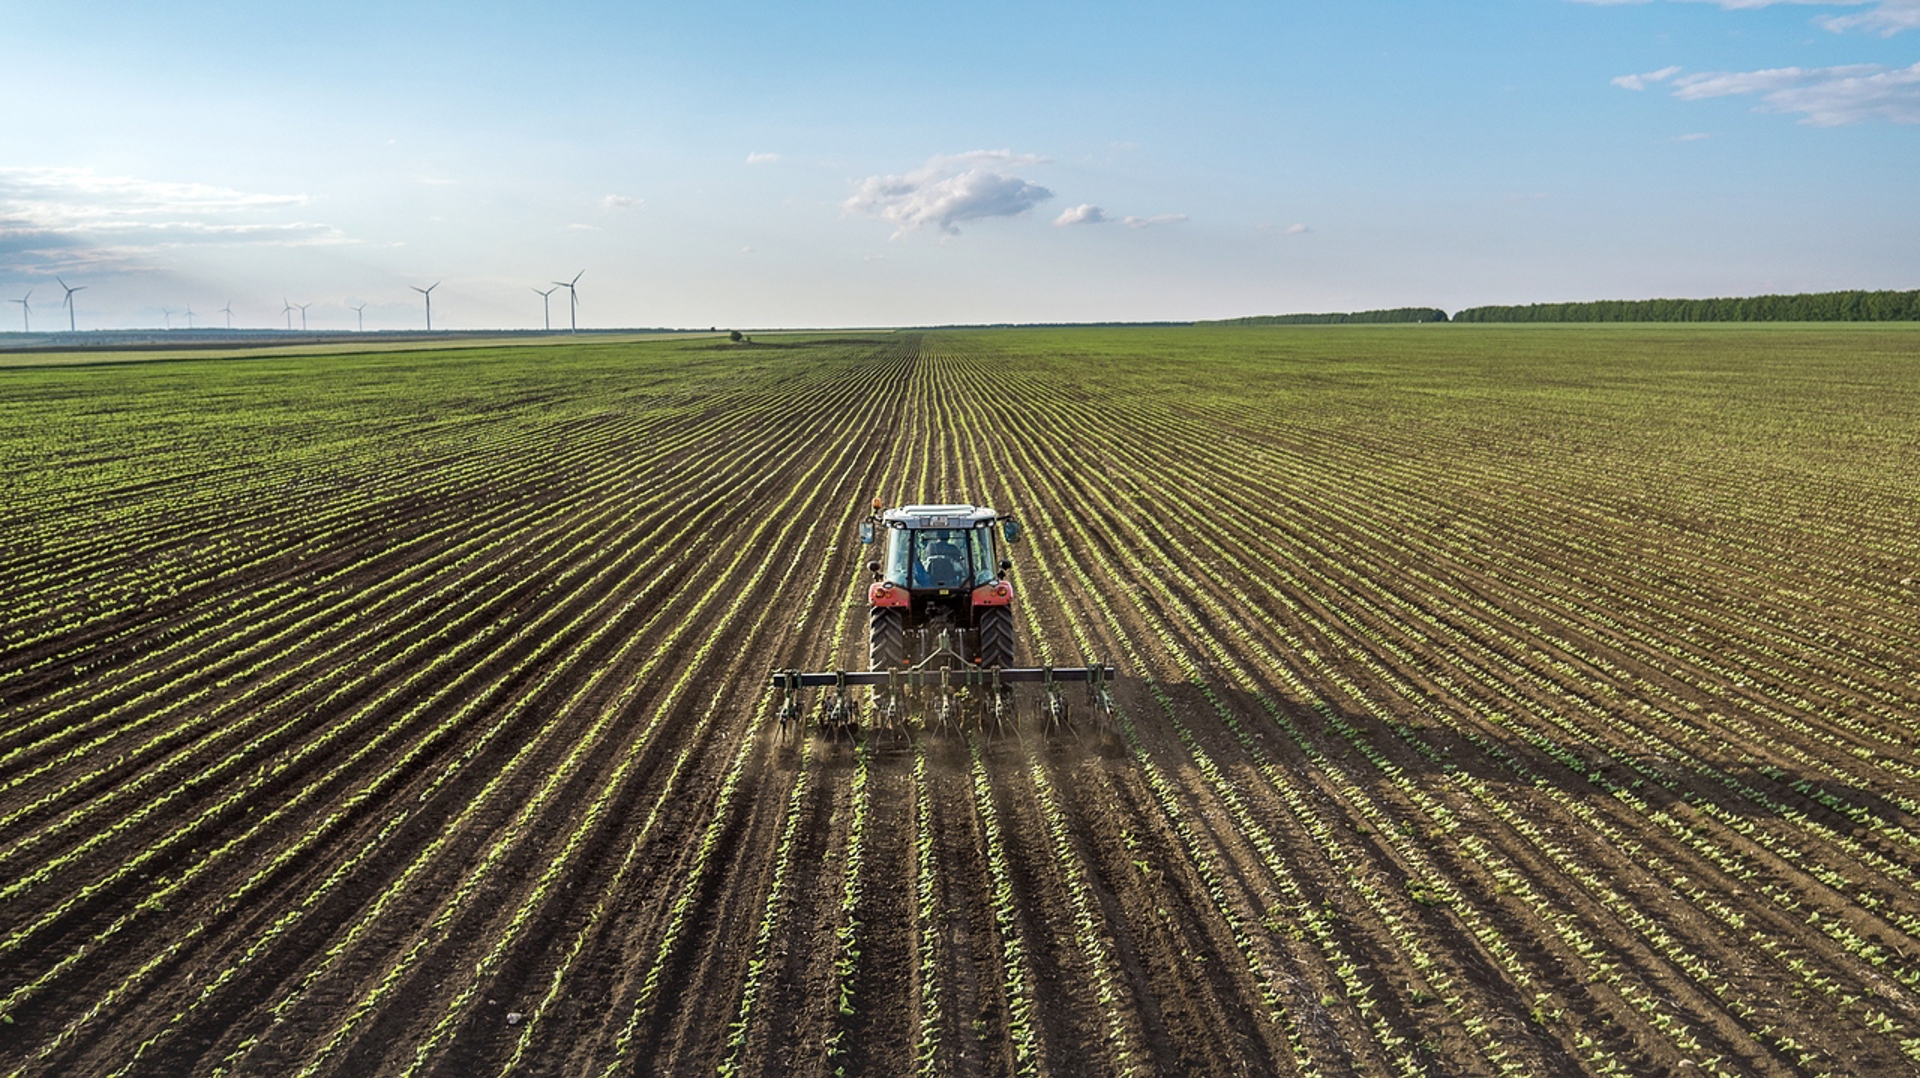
(999,702)
(886,712)
(886,704)
(789,683)
(792,721)
(949,717)
(1099,694)
(1052,704)
(840,713)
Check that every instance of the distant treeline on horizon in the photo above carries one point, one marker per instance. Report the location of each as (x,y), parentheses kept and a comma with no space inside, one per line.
(1397,314)
(1854,306)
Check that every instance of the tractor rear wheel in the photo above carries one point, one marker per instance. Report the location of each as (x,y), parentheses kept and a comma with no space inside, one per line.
(996,636)
(886,639)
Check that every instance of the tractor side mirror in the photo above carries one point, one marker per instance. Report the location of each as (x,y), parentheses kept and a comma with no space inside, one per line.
(866,532)
(1010,529)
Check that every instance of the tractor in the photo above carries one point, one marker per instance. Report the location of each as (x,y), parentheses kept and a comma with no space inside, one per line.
(939,585)
(940,638)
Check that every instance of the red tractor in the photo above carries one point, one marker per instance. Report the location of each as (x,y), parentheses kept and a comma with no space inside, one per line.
(939,584)
(940,634)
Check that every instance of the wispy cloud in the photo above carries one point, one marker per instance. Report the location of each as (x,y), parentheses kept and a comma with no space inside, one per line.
(1088,214)
(1886,17)
(948,190)
(620,202)
(62,217)
(1823,96)
(1642,81)
(75,198)
(762,158)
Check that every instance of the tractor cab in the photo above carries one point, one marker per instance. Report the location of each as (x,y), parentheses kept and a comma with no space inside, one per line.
(941,548)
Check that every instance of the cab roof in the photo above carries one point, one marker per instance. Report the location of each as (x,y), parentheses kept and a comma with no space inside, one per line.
(938,516)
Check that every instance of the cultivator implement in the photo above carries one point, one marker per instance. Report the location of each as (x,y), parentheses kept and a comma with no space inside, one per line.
(942,693)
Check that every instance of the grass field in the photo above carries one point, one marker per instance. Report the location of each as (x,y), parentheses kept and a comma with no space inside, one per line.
(1524,700)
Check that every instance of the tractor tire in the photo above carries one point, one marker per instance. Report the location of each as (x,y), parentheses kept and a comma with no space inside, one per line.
(886,639)
(996,636)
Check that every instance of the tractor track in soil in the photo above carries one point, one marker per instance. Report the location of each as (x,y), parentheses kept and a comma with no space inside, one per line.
(471,769)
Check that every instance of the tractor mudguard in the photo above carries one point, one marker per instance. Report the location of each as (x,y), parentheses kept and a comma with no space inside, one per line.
(887,593)
(999,593)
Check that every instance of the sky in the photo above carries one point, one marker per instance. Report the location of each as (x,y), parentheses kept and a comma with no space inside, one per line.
(757,165)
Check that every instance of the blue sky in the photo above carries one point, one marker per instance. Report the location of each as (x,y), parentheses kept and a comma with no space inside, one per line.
(745,164)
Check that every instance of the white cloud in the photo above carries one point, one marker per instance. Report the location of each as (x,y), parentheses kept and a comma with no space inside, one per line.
(1825,96)
(1296,230)
(1156,219)
(948,190)
(1888,17)
(1694,136)
(1640,82)
(762,158)
(620,202)
(1085,213)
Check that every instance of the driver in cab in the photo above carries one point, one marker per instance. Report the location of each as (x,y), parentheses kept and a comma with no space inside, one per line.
(940,564)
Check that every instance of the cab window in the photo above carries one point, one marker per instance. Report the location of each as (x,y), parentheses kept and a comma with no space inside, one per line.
(983,567)
(899,553)
(940,558)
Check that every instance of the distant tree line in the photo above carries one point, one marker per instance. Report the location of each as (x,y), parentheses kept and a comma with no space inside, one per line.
(1855,306)
(1397,314)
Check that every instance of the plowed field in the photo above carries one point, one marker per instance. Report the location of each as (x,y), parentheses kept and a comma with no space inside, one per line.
(1493,700)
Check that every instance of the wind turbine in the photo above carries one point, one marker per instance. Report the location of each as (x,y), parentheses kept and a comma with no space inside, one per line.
(26,309)
(303,315)
(573,311)
(168,311)
(546,305)
(360,312)
(68,301)
(189,316)
(228,311)
(427,292)
(287,309)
